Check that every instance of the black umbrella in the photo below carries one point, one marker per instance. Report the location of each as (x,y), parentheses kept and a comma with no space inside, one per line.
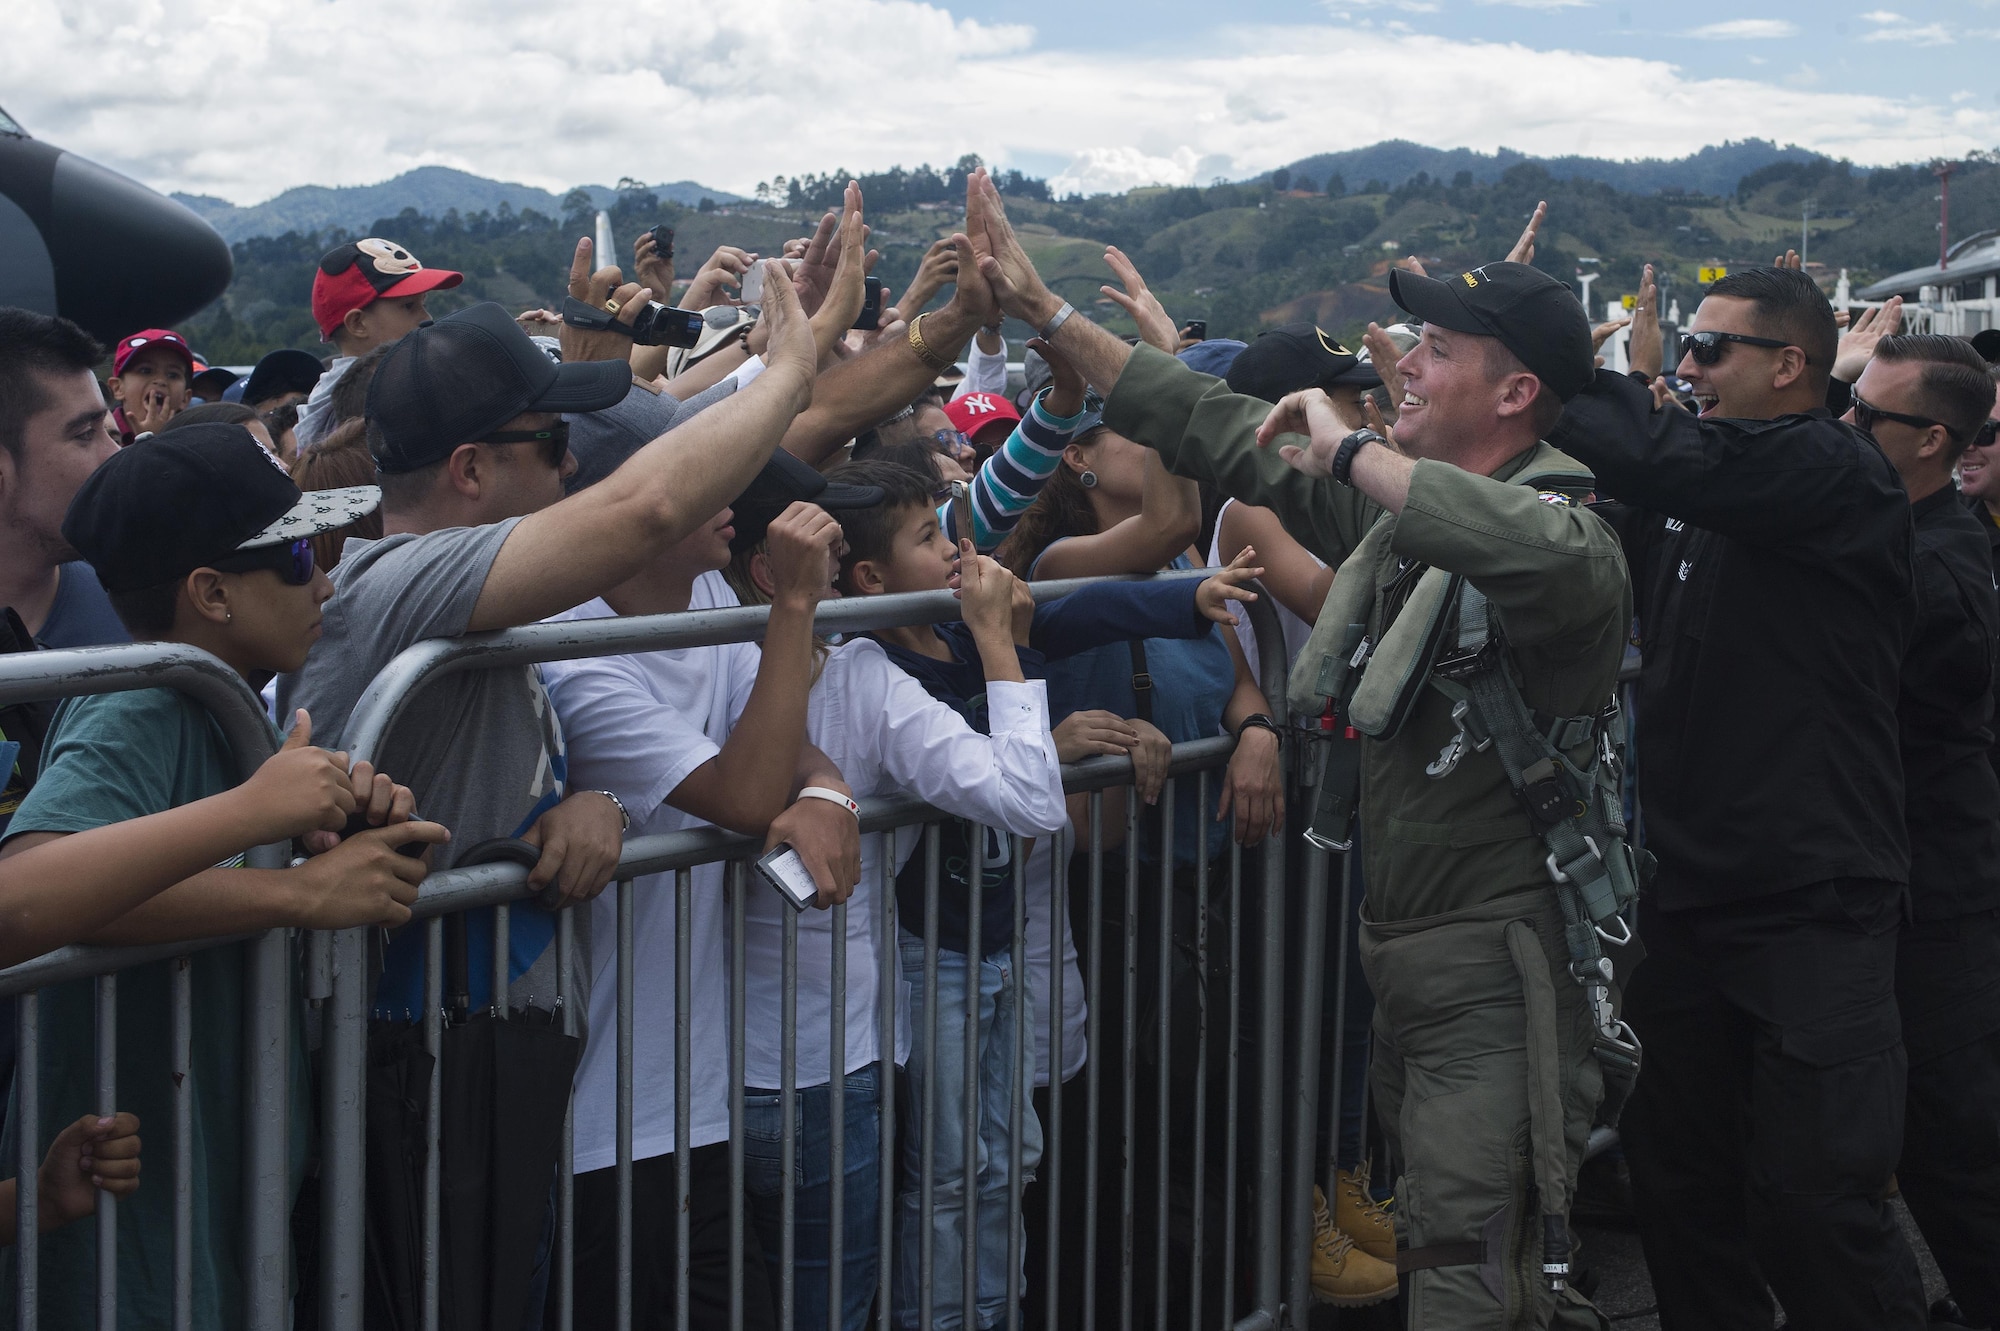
(399,1088)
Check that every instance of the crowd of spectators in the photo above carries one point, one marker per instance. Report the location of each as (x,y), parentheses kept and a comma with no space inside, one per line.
(308,521)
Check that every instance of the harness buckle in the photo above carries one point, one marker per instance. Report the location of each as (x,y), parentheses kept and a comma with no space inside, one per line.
(1469,733)
(1556,874)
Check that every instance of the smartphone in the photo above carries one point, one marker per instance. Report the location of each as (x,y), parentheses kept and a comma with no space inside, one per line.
(961,511)
(752,290)
(870,317)
(1196,329)
(783,869)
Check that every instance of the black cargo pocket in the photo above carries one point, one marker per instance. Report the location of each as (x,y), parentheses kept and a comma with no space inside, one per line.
(1839,1098)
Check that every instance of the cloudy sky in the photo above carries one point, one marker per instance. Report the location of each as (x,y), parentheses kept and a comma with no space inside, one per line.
(244,98)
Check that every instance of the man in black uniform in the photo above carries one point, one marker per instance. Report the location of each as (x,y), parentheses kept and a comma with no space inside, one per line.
(1924,398)
(1770,548)
(1979,482)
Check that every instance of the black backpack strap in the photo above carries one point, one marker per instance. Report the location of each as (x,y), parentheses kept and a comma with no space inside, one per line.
(1142,683)
(25,723)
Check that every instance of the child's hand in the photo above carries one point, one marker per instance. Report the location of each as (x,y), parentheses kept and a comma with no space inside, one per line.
(802,546)
(89,1155)
(301,789)
(987,590)
(1227,584)
(1089,734)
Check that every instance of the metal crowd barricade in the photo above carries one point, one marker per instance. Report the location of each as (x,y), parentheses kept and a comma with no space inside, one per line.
(38,676)
(1265,1095)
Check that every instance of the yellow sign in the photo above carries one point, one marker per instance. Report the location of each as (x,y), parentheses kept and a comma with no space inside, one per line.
(1713,275)
(1628,300)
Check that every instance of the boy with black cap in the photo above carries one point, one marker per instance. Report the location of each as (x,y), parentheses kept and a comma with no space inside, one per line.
(365,294)
(199,538)
(1464,944)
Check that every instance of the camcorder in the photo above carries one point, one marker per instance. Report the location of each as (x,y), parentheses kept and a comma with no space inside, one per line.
(657,325)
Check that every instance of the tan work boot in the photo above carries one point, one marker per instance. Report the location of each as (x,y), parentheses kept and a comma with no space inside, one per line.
(1358,1214)
(1342,1274)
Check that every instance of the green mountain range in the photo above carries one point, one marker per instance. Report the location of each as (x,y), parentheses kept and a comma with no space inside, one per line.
(1310,241)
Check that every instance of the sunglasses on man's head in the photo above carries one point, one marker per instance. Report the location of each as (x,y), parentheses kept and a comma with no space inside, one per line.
(554,441)
(293,562)
(1707,347)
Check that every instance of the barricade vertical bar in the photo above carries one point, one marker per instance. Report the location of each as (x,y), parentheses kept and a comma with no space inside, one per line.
(1199,1171)
(1052,1133)
(890,964)
(1233,1094)
(267,1231)
(1271,1069)
(1093,1091)
(1129,1104)
(433,1118)
(180,1037)
(565,1257)
(1024,1077)
(1339,1028)
(1305,1118)
(836,1092)
(625,894)
(107,1103)
(927,1192)
(343,1190)
(319,965)
(1163,1121)
(788,1129)
(738,1019)
(969,1121)
(502,937)
(27,1160)
(683,1091)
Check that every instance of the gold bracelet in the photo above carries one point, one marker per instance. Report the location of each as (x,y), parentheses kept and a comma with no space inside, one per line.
(929,357)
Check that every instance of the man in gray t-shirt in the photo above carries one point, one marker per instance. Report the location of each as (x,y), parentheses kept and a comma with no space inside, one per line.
(465,428)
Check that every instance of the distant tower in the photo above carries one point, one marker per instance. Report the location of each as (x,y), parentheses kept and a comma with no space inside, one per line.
(1943,170)
(605,253)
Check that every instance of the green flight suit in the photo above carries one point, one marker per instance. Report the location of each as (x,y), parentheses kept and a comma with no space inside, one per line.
(1479,1029)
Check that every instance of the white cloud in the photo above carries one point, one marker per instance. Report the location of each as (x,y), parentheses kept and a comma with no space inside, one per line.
(1747,29)
(1541,4)
(1915,34)
(1882,16)
(244,98)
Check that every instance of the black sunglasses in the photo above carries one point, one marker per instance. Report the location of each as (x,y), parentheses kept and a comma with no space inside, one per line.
(1707,348)
(554,441)
(1866,414)
(293,562)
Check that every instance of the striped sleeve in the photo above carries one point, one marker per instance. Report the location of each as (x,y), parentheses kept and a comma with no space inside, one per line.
(1009,480)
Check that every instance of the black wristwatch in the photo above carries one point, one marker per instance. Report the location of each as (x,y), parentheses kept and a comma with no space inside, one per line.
(1256,721)
(1343,457)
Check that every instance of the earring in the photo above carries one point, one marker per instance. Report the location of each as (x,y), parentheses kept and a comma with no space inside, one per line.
(1088,480)
(228,617)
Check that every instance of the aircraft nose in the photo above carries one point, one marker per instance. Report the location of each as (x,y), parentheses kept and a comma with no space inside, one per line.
(105,251)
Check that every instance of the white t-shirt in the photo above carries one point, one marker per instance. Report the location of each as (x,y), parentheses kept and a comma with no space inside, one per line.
(887,735)
(642,723)
(1297,631)
(1042,865)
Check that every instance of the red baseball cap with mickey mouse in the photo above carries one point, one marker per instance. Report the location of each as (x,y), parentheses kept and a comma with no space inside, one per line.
(361,272)
(973,412)
(132,344)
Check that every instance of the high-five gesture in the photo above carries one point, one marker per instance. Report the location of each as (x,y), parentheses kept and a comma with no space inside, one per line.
(1858,343)
(1524,248)
(789,334)
(1006,266)
(844,295)
(1313,414)
(1643,352)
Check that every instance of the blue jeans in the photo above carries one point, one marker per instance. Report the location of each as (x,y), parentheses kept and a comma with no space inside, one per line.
(812,1173)
(998,1019)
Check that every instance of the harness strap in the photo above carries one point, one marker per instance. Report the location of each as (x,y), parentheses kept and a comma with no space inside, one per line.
(1434,1255)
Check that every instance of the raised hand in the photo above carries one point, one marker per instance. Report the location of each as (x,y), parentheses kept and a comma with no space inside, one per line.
(1644,351)
(1602,332)
(1789,259)
(1310,413)
(717,278)
(842,301)
(655,269)
(1226,584)
(1065,380)
(814,277)
(938,270)
(1524,248)
(789,334)
(1858,343)
(606,288)
(803,541)
(1156,326)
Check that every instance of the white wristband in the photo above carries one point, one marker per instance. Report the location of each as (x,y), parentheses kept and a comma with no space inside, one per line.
(832,796)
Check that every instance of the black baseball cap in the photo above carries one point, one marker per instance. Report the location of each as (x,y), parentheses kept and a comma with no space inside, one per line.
(785,481)
(1987,343)
(159,510)
(286,370)
(1533,315)
(463,377)
(1294,357)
